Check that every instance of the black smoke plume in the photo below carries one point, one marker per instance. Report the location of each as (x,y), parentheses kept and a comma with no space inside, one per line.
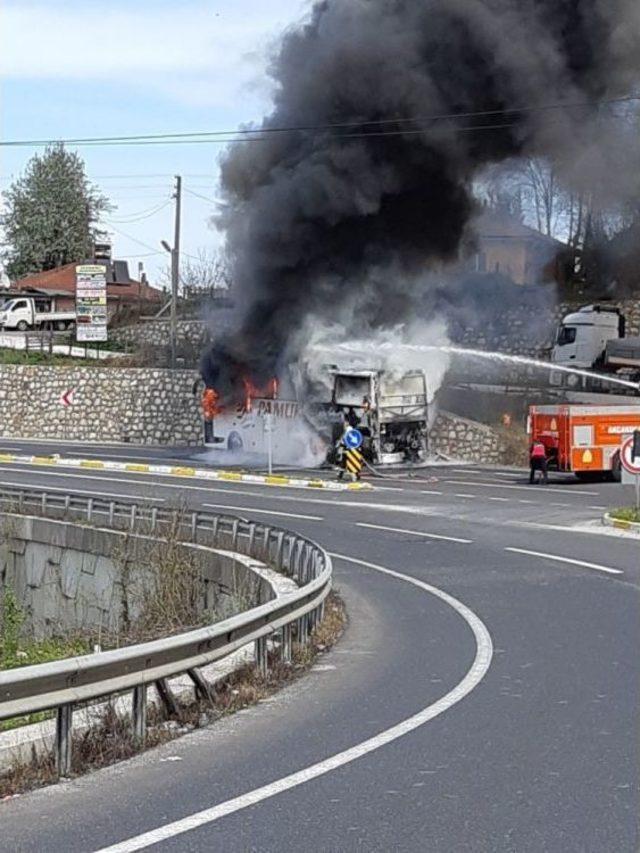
(397,105)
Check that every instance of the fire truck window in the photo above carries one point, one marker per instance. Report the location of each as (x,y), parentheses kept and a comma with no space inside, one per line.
(566,335)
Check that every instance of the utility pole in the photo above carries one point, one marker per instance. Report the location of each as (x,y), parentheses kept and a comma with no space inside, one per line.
(175,272)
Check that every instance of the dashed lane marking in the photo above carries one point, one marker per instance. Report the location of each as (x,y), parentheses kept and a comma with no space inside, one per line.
(570,491)
(479,667)
(266,511)
(595,566)
(413,533)
(465,496)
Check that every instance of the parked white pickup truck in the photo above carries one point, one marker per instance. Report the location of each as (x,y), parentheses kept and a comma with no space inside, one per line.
(24,312)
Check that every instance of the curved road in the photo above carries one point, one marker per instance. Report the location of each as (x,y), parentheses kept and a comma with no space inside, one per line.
(541,754)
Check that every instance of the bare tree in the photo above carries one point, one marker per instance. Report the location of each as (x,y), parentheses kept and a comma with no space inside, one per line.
(204,272)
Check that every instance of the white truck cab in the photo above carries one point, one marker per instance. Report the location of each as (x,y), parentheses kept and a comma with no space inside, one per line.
(581,340)
(20,313)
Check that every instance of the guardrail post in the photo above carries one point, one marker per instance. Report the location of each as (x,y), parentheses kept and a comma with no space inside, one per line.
(252,537)
(194,525)
(279,548)
(44,503)
(285,650)
(202,686)
(303,630)
(154,518)
(261,656)
(112,512)
(166,696)
(139,713)
(134,511)
(265,544)
(89,508)
(234,532)
(214,530)
(64,720)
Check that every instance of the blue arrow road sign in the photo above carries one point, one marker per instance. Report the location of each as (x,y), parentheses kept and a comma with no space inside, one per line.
(352,439)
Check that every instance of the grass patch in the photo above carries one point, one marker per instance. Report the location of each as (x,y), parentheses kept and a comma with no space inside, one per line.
(626,513)
(16,356)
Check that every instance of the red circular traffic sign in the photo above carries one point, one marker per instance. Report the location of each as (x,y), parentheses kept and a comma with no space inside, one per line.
(629,462)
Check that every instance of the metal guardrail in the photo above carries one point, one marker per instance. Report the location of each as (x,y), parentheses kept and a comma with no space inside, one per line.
(62,684)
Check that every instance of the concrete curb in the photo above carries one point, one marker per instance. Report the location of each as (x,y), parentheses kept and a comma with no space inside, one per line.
(186,472)
(619,524)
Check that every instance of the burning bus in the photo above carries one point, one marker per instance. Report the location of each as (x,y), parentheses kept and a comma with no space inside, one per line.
(390,411)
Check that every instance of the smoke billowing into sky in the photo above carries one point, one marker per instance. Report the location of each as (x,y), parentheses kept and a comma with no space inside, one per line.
(341,217)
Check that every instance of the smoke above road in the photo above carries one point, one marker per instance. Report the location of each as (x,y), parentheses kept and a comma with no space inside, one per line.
(384,111)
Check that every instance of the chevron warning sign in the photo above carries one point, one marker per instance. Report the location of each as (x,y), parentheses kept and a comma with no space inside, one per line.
(353,462)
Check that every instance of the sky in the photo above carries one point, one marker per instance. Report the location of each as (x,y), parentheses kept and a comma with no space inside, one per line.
(76,68)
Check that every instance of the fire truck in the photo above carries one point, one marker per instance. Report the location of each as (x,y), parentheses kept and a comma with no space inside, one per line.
(584,439)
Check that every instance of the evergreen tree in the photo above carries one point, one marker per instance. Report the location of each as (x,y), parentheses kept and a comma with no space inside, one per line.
(51,214)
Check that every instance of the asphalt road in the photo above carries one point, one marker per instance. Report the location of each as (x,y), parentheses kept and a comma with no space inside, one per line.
(541,755)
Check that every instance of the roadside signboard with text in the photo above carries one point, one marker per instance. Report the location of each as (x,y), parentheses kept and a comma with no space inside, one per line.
(91,302)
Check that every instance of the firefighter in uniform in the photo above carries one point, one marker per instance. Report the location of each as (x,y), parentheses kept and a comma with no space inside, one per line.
(538,461)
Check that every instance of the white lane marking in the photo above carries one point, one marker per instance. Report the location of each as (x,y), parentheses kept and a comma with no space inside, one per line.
(479,667)
(231,490)
(414,533)
(84,492)
(465,496)
(597,506)
(570,491)
(524,501)
(501,500)
(570,560)
(557,504)
(429,492)
(265,511)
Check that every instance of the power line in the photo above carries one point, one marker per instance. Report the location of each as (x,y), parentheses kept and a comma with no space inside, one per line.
(203,197)
(143,214)
(129,237)
(258,134)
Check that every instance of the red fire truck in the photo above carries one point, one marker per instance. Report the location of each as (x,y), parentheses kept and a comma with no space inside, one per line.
(584,439)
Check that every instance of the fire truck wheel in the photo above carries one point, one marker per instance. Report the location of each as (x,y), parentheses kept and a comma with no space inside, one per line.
(234,442)
(616,469)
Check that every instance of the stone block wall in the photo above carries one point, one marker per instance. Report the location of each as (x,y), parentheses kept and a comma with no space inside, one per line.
(531,333)
(156,333)
(459,438)
(71,577)
(136,405)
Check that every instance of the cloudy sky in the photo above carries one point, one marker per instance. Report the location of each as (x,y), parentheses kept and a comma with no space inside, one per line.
(74,68)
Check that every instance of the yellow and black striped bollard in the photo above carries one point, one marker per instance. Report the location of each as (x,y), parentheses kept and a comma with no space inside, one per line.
(353,462)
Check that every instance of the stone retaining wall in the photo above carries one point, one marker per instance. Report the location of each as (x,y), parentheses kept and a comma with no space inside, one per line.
(140,406)
(458,438)
(156,333)
(530,333)
(72,577)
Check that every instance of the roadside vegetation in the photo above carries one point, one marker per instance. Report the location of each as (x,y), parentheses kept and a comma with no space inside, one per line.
(626,513)
(112,739)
